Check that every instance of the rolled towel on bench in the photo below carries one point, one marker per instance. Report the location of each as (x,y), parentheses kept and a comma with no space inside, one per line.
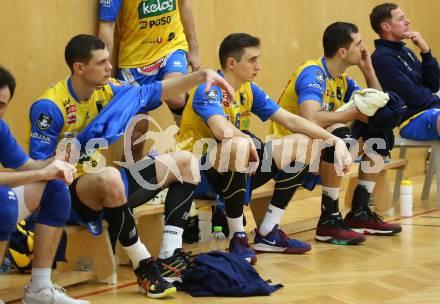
(368,101)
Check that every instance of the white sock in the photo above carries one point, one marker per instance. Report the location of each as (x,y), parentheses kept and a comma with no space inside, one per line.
(172,239)
(331,192)
(235,225)
(137,252)
(368,184)
(40,279)
(272,218)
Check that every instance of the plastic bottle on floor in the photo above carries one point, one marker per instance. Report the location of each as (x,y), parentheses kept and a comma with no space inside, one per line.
(217,240)
(406,198)
(205,223)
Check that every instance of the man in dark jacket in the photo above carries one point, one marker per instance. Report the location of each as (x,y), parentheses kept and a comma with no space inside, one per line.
(398,69)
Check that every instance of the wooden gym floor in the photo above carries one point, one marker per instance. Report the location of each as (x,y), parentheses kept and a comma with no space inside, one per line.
(396,269)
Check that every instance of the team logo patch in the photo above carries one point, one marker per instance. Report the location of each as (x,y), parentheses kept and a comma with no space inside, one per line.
(212,95)
(44,121)
(319,76)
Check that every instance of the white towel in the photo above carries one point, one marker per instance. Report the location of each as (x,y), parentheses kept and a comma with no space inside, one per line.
(368,101)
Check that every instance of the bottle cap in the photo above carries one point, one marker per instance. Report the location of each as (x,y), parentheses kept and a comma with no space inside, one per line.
(406,182)
(217,228)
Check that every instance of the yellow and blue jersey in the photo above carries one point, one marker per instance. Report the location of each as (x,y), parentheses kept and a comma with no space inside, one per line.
(11,154)
(150,29)
(202,105)
(59,114)
(312,81)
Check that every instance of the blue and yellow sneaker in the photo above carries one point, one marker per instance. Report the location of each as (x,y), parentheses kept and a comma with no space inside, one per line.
(239,245)
(278,241)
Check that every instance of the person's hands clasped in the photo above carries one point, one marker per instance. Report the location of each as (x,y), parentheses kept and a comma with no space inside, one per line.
(59,169)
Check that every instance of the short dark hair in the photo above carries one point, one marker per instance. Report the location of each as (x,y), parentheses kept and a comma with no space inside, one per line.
(7,80)
(381,13)
(234,45)
(337,35)
(80,48)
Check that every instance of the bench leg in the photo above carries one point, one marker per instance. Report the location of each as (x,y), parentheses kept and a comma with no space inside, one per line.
(98,249)
(399,176)
(352,183)
(150,230)
(428,177)
(436,151)
(382,195)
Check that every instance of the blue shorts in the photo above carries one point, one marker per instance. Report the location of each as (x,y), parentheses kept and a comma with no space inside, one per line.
(175,62)
(422,127)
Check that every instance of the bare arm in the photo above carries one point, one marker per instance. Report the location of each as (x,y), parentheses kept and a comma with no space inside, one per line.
(295,123)
(172,87)
(186,16)
(311,111)
(43,170)
(222,129)
(107,34)
(298,124)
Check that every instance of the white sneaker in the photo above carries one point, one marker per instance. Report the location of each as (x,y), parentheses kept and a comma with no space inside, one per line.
(51,295)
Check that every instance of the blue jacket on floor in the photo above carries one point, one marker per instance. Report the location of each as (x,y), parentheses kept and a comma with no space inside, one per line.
(224,274)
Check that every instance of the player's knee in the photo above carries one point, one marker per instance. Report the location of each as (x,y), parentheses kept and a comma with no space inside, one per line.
(55,204)
(343,133)
(188,166)
(177,103)
(110,184)
(8,212)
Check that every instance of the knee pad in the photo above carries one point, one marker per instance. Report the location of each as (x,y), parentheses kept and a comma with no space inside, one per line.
(55,204)
(345,134)
(8,212)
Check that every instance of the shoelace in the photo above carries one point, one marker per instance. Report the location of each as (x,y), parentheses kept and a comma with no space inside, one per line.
(58,288)
(184,255)
(284,236)
(373,215)
(339,222)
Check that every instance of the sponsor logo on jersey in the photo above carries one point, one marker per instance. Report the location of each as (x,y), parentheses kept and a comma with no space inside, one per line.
(71,109)
(171,36)
(150,8)
(43,138)
(106,3)
(339,93)
(71,119)
(44,121)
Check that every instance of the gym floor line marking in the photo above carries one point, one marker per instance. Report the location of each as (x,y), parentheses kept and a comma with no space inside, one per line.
(97,292)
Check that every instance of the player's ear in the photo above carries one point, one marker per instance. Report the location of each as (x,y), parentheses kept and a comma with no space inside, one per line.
(78,67)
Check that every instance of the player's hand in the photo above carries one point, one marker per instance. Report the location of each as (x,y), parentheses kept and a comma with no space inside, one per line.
(193,60)
(59,170)
(343,160)
(418,40)
(213,78)
(254,159)
(364,61)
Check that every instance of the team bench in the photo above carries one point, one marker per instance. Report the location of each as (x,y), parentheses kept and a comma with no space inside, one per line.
(82,246)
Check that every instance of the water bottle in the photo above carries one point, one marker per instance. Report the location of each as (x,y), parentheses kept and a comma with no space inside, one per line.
(6,267)
(218,239)
(205,223)
(406,198)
